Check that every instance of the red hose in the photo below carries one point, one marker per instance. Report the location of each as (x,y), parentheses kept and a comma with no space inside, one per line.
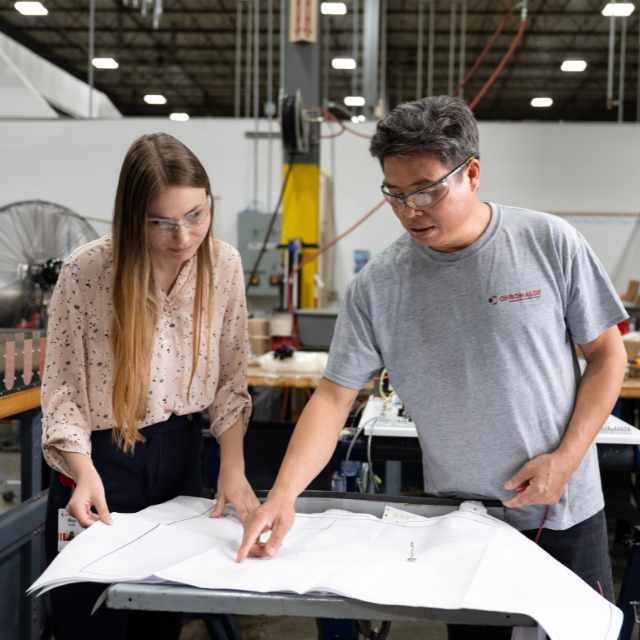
(321,250)
(329,116)
(480,59)
(501,65)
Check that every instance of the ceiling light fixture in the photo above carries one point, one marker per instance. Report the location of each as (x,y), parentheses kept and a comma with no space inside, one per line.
(105,63)
(333,9)
(343,63)
(354,101)
(179,116)
(618,9)
(155,98)
(31,8)
(573,66)
(541,102)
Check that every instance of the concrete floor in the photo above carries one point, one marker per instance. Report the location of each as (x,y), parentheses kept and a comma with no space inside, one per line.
(263,628)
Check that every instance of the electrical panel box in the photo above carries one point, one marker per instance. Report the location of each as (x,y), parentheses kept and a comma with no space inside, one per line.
(252,228)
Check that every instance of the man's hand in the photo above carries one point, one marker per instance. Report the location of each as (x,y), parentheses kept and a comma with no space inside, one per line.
(541,480)
(275,516)
(310,448)
(89,492)
(234,488)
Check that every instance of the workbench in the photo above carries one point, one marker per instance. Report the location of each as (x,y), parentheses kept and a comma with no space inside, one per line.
(630,389)
(258,376)
(12,404)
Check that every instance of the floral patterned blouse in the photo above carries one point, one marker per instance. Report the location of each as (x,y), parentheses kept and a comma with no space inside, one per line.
(78,378)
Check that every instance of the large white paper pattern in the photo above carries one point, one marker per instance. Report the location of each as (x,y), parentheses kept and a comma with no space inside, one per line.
(462,560)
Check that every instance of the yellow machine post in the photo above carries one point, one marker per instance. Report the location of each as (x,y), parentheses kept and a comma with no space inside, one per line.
(300,219)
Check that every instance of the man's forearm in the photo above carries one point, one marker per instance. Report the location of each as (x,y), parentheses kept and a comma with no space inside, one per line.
(542,479)
(598,391)
(312,444)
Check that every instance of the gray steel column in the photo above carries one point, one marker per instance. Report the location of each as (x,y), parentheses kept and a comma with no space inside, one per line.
(638,79)
(284,13)
(610,62)
(432,42)
(271,106)
(248,53)
(463,46)
(302,72)
(371,50)
(256,96)
(452,47)
(92,42)
(623,56)
(326,60)
(400,85)
(355,7)
(236,104)
(420,50)
(383,55)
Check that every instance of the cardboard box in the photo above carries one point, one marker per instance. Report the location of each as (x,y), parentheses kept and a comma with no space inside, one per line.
(258,327)
(260,344)
(632,344)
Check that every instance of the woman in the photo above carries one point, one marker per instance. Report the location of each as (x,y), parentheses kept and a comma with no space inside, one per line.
(147,328)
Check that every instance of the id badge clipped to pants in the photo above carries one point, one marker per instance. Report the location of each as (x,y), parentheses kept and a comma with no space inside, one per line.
(68,528)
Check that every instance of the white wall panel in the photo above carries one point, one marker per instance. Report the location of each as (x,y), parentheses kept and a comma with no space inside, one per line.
(578,168)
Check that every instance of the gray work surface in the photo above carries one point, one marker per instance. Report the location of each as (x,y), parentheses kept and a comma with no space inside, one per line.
(166,597)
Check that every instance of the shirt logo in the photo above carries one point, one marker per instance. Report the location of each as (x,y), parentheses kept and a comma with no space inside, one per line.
(518,296)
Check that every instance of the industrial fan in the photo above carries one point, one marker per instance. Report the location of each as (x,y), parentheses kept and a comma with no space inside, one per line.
(35,238)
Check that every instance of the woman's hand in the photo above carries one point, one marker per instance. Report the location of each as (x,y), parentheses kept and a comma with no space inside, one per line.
(234,488)
(89,492)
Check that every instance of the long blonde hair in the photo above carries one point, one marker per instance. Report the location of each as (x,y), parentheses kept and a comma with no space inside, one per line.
(153,163)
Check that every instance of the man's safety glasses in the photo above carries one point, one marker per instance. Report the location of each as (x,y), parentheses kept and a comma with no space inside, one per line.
(426,196)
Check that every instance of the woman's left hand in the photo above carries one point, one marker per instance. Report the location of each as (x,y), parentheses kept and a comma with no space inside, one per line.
(234,488)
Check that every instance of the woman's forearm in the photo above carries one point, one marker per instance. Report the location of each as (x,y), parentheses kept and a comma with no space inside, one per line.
(79,464)
(231,446)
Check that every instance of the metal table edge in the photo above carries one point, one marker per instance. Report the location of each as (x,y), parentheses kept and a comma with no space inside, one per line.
(167,597)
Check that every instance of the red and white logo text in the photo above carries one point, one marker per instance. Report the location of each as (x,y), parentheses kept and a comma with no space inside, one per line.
(518,296)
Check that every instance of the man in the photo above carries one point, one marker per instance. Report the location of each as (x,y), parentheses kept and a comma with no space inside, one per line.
(474,312)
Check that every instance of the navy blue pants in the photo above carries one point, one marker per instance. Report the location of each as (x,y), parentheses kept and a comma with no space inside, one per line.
(584,548)
(166,465)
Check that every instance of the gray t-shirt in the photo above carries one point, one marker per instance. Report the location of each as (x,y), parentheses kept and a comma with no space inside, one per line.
(478,347)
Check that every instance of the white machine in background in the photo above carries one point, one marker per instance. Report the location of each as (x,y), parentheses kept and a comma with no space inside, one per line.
(386,417)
